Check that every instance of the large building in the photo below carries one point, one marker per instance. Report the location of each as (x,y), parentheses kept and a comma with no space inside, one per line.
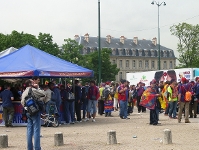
(130,55)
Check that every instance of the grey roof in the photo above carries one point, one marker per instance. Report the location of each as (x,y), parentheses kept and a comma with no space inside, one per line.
(128,44)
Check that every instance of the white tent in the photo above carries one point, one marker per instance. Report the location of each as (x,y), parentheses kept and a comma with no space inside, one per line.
(7,51)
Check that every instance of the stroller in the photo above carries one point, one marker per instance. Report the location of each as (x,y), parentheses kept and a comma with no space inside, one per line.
(51,117)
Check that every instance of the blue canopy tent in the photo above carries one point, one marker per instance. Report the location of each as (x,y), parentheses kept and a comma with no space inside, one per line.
(29,61)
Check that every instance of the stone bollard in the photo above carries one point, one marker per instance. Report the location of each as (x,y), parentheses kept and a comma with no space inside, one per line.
(167,137)
(111,137)
(3,141)
(58,139)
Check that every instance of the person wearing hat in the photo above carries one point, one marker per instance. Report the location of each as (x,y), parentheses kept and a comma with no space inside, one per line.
(183,88)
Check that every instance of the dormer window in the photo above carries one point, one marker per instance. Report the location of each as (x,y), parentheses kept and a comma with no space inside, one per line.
(127,52)
(134,52)
(170,54)
(113,52)
(140,52)
(164,53)
(120,51)
(152,53)
(146,53)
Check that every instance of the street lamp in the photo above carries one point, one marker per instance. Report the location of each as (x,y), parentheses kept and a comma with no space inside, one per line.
(99,44)
(158,4)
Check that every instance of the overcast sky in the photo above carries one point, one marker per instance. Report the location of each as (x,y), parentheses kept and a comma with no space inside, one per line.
(65,18)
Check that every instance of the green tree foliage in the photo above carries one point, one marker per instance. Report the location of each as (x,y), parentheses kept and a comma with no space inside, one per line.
(108,70)
(188,46)
(45,43)
(17,40)
(71,51)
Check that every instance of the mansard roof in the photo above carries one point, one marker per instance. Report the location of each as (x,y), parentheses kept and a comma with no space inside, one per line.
(128,44)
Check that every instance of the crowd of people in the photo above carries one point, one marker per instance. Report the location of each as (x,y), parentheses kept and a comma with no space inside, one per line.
(80,102)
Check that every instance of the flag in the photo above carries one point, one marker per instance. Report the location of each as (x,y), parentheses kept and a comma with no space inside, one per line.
(148,98)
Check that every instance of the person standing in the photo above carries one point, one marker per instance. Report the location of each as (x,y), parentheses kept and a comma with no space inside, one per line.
(122,97)
(8,108)
(182,103)
(85,99)
(34,122)
(140,90)
(78,101)
(93,95)
(173,97)
(115,103)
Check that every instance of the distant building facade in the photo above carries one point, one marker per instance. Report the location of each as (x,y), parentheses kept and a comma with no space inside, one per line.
(130,55)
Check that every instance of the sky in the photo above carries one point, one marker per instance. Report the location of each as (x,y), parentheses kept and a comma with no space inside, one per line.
(130,18)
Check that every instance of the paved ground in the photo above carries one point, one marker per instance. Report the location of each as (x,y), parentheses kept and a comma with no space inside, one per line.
(93,135)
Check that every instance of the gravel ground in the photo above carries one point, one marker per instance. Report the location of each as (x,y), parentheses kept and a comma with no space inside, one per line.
(93,135)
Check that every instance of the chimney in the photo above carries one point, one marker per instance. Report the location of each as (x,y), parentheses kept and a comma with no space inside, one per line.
(154,41)
(108,39)
(86,37)
(122,38)
(76,36)
(135,40)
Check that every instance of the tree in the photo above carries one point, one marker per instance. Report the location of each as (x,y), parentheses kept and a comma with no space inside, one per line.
(188,46)
(45,43)
(108,70)
(17,40)
(71,51)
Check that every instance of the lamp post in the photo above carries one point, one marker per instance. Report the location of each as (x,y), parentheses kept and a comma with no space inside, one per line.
(158,4)
(99,44)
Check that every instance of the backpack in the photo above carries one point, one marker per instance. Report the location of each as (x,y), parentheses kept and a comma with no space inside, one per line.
(105,93)
(31,104)
(188,95)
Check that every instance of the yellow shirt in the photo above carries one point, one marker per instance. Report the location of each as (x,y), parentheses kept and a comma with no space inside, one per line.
(101,90)
(170,91)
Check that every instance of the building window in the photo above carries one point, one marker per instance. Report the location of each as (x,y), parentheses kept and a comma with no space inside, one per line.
(134,64)
(152,53)
(140,64)
(153,64)
(165,54)
(146,53)
(127,52)
(127,63)
(171,65)
(146,64)
(120,76)
(170,54)
(120,63)
(113,62)
(113,52)
(165,65)
(140,52)
(134,53)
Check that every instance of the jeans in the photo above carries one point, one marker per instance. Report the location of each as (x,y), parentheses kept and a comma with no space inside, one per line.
(33,129)
(8,114)
(85,105)
(123,109)
(92,106)
(48,106)
(70,111)
(172,108)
